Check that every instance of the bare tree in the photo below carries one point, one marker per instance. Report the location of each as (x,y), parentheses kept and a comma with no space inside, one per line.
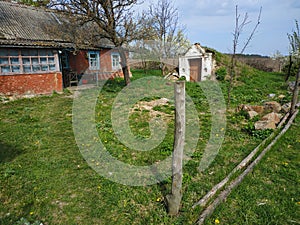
(294,39)
(294,54)
(115,20)
(240,24)
(279,59)
(166,31)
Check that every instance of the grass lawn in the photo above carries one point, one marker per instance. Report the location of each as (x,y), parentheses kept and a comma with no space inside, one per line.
(45,178)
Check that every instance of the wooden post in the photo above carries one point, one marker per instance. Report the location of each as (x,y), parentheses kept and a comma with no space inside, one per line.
(174,199)
(295,93)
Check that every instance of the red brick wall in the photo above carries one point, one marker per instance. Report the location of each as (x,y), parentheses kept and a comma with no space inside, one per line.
(20,84)
(105,60)
(79,62)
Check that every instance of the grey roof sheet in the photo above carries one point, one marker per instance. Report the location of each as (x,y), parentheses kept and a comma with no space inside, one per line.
(22,25)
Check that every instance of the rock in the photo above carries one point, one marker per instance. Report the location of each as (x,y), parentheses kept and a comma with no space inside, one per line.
(269,121)
(272,95)
(286,107)
(263,125)
(257,108)
(243,107)
(274,117)
(247,108)
(272,106)
(252,114)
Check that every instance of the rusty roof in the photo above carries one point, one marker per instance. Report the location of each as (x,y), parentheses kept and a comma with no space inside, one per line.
(22,25)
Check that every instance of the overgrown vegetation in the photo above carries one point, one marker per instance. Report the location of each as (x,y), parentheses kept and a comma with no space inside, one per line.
(45,178)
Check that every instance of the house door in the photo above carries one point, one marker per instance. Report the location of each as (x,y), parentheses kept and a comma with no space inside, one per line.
(195,69)
(65,67)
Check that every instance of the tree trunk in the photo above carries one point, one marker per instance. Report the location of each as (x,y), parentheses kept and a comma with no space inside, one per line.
(289,68)
(232,76)
(125,67)
(295,93)
(174,199)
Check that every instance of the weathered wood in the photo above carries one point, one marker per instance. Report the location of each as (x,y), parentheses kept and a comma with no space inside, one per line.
(209,210)
(295,93)
(203,201)
(174,199)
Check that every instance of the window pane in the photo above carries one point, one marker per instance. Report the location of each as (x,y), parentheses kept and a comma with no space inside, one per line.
(93,55)
(5,69)
(43,60)
(52,67)
(15,68)
(14,60)
(36,68)
(26,61)
(35,61)
(33,52)
(51,60)
(94,60)
(13,52)
(50,52)
(115,61)
(44,67)
(27,69)
(25,52)
(3,52)
(3,60)
(43,52)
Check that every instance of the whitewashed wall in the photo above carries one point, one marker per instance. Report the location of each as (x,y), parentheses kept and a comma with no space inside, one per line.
(196,52)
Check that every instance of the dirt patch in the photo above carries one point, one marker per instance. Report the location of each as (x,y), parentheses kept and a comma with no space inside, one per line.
(149,105)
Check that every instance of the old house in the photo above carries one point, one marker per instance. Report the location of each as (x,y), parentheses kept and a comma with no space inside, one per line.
(37,57)
(196,64)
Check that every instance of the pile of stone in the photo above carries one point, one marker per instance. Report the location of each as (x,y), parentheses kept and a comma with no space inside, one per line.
(270,114)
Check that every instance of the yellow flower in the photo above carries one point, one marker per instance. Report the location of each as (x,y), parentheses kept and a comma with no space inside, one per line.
(285,163)
(158,199)
(31,213)
(217,221)
(298,203)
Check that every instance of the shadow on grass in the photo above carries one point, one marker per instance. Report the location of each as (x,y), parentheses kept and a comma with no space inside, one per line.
(8,152)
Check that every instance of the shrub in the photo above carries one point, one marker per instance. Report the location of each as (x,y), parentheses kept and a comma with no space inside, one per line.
(221,73)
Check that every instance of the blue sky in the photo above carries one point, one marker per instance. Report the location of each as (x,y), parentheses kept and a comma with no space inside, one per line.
(211,23)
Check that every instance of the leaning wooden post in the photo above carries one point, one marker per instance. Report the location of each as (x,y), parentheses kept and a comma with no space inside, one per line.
(174,199)
(295,93)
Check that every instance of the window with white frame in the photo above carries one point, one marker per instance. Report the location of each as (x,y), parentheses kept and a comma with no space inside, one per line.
(115,58)
(20,61)
(94,60)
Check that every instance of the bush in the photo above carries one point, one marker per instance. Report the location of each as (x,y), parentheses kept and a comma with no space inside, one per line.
(221,73)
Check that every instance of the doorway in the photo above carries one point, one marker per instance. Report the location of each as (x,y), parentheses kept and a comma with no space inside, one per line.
(195,69)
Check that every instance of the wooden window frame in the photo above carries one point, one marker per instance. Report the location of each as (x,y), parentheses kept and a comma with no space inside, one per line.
(94,60)
(28,64)
(115,65)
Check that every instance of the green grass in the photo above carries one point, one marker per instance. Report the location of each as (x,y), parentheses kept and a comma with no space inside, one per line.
(44,177)
(270,194)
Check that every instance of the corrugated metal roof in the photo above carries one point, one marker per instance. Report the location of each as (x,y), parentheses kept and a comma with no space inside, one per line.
(29,26)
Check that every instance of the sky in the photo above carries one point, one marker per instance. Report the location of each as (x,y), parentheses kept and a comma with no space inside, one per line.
(212,22)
